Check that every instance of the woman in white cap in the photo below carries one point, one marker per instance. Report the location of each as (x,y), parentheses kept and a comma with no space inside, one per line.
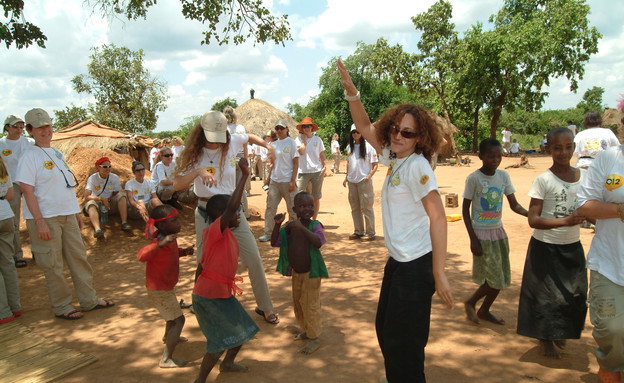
(53,220)
(11,148)
(311,162)
(209,162)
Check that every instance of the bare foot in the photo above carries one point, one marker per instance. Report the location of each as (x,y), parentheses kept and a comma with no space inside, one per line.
(293,329)
(549,349)
(232,367)
(312,346)
(301,336)
(181,339)
(488,316)
(561,343)
(471,313)
(171,363)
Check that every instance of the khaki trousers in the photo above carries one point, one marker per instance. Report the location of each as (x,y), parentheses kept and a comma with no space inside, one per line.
(606,311)
(65,248)
(16,206)
(307,303)
(9,288)
(361,199)
(277,191)
(249,255)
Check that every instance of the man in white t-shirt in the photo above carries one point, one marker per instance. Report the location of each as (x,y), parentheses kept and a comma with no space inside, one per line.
(311,161)
(141,193)
(592,141)
(163,176)
(506,139)
(572,127)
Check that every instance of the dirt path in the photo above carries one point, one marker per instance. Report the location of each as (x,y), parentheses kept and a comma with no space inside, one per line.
(126,338)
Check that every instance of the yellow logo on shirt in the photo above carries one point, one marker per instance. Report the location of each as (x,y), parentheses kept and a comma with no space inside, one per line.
(211,170)
(390,168)
(48,164)
(97,187)
(135,192)
(286,150)
(614,181)
(424,179)
(7,152)
(5,179)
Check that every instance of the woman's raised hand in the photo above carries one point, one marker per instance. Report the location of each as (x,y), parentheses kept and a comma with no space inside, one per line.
(345,79)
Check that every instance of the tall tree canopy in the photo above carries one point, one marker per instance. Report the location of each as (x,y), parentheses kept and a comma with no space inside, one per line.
(227,21)
(126,96)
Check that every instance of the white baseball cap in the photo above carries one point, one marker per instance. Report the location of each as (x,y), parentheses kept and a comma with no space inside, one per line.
(215,126)
(37,118)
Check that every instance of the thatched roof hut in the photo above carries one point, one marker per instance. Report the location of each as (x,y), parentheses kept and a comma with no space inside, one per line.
(613,118)
(448,132)
(258,116)
(91,134)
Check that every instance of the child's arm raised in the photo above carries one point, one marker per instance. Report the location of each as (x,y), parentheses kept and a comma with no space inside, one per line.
(235,200)
(475,245)
(515,206)
(537,222)
(279,218)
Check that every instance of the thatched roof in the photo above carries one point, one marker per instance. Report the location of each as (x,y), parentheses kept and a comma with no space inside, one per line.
(258,116)
(613,117)
(90,134)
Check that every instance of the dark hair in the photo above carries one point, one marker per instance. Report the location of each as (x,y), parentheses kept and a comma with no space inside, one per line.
(216,206)
(592,119)
(301,195)
(488,143)
(160,211)
(135,164)
(554,131)
(362,152)
(570,122)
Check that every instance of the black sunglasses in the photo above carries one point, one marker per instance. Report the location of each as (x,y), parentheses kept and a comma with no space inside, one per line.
(355,132)
(139,170)
(168,155)
(105,166)
(405,133)
(279,127)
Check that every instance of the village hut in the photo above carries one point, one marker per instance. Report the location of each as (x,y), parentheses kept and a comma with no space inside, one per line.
(612,118)
(91,134)
(258,116)
(448,132)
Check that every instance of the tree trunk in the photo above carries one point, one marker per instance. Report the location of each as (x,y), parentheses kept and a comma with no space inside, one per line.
(475,130)
(496,113)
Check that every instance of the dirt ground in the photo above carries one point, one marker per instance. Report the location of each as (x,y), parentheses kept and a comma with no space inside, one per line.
(126,339)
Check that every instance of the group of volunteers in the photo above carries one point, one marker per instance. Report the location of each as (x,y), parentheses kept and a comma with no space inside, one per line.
(217,163)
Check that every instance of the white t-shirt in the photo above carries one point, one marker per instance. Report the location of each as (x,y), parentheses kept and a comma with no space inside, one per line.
(12,150)
(335,147)
(210,159)
(237,129)
(486,193)
(514,148)
(96,184)
(5,209)
(262,152)
(603,182)
(360,167)
(177,151)
(591,142)
(46,170)
(285,152)
(559,201)
(573,129)
(507,135)
(141,190)
(405,220)
(153,154)
(310,162)
(163,172)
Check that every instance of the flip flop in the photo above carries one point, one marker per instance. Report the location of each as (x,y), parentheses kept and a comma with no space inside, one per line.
(272,319)
(68,316)
(184,305)
(107,304)
(19,263)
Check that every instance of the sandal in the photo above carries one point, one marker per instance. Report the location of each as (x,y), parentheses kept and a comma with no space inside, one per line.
(272,319)
(106,305)
(19,263)
(71,315)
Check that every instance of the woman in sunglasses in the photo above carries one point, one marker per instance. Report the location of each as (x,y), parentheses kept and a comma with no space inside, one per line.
(209,162)
(103,198)
(162,177)
(53,220)
(405,137)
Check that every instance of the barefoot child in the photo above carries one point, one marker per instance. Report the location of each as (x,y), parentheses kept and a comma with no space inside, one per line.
(554,283)
(162,258)
(221,317)
(488,240)
(299,242)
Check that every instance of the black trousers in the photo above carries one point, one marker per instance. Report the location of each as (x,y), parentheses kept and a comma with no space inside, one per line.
(403,317)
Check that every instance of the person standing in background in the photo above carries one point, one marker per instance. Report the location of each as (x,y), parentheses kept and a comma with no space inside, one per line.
(311,161)
(335,149)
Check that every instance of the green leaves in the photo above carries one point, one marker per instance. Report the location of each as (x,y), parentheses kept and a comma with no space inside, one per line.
(16,30)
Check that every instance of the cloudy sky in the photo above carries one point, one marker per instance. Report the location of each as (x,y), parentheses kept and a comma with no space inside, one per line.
(199,75)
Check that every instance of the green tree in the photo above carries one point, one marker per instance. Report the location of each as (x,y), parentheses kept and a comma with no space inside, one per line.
(226,20)
(592,100)
(70,114)
(220,105)
(126,96)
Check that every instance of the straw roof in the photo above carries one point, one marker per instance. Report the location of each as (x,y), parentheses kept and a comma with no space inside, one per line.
(613,117)
(258,116)
(91,134)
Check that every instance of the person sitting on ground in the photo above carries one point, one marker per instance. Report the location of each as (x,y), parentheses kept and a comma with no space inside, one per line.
(103,198)
(222,319)
(141,194)
(299,242)
(162,270)
(53,221)
(514,149)
(162,177)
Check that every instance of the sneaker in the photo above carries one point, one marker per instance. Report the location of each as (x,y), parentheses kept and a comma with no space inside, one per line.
(264,238)
(265,187)
(355,236)
(368,238)
(7,319)
(125,226)
(17,313)
(98,233)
